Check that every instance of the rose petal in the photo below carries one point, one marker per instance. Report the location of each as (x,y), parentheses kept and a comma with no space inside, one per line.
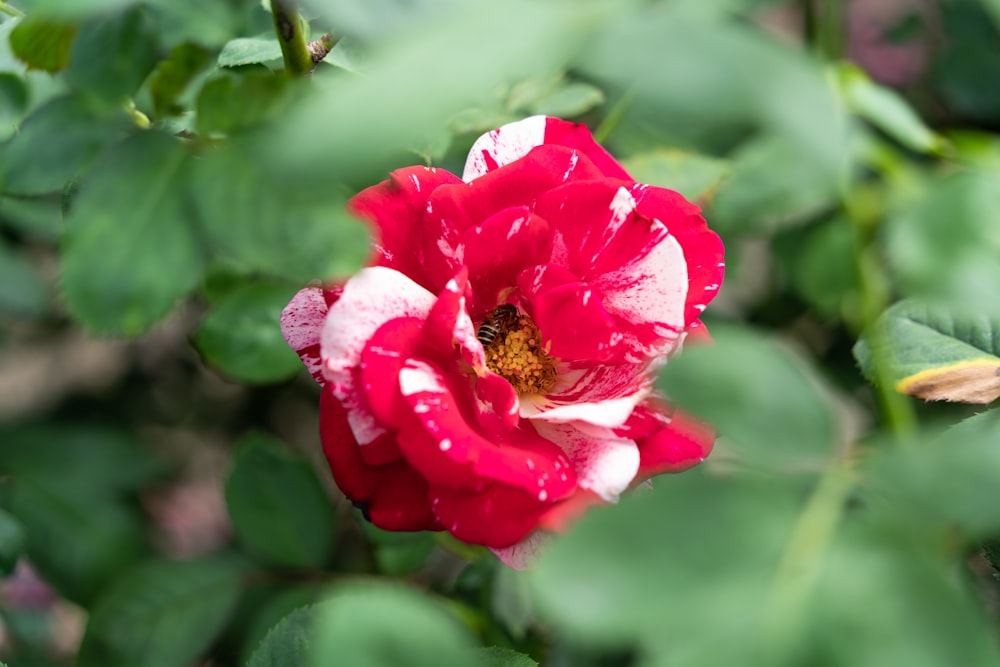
(703,250)
(633,261)
(513,141)
(396,208)
(525,553)
(604,463)
(395,496)
(449,325)
(497,517)
(497,250)
(381,361)
(444,446)
(683,443)
(301,324)
(601,395)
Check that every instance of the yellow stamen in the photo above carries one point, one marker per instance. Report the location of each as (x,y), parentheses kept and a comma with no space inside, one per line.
(520,358)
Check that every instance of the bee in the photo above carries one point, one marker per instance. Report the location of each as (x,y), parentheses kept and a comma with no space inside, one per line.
(497,323)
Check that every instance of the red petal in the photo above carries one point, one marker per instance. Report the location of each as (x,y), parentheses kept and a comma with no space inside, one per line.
(395,495)
(381,360)
(703,250)
(497,250)
(301,324)
(497,517)
(683,443)
(396,207)
(569,314)
(513,141)
(443,443)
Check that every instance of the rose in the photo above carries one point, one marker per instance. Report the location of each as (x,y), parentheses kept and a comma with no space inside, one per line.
(579,282)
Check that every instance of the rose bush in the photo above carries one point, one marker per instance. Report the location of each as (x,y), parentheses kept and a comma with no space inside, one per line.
(426,426)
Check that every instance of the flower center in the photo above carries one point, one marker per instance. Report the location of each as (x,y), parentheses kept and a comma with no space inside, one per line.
(517,355)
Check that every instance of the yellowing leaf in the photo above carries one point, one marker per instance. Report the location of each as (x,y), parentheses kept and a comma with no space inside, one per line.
(975,381)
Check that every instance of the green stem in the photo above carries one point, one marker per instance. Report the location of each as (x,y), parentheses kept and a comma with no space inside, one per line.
(824,27)
(10,11)
(294,50)
(802,558)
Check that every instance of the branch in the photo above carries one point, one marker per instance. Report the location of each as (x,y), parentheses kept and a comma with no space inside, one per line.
(294,51)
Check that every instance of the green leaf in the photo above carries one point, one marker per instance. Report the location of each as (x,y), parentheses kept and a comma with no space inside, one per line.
(131,252)
(172,76)
(376,624)
(494,656)
(823,267)
(35,164)
(399,554)
(278,507)
(161,614)
(570,100)
(43,44)
(92,459)
(685,561)
(887,110)
(268,614)
(511,601)
(12,542)
(79,540)
(934,351)
(773,185)
(237,102)
(113,54)
(241,335)
(944,243)
(289,642)
(13,103)
(272,226)
(23,293)
(760,397)
(943,481)
(248,50)
(76,8)
(694,176)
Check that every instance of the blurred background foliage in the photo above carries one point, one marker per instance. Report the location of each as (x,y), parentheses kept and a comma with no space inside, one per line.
(165,187)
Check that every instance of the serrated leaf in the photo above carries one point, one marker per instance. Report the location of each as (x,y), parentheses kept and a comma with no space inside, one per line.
(22,291)
(935,352)
(283,230)
(42,43)
(241,336)
(694,176)
(113,54)
(131,252)
(494,656)
(161,614)
(247,50)
(289,642)
(79,540)
(12,542)
(278,507)
(270,613)
(35,164)
(887,110)
(375,624)
(758,395)
(569,100)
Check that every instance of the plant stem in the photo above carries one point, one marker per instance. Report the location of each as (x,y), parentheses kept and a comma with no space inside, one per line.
(10,11)
(824,27)
(288,25)
(802,558)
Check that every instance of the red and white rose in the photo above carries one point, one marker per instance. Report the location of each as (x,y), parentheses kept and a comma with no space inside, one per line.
(426,426)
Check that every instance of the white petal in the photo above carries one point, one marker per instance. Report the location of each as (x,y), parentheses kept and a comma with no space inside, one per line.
(504,145)
(523,555)
(604,463)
